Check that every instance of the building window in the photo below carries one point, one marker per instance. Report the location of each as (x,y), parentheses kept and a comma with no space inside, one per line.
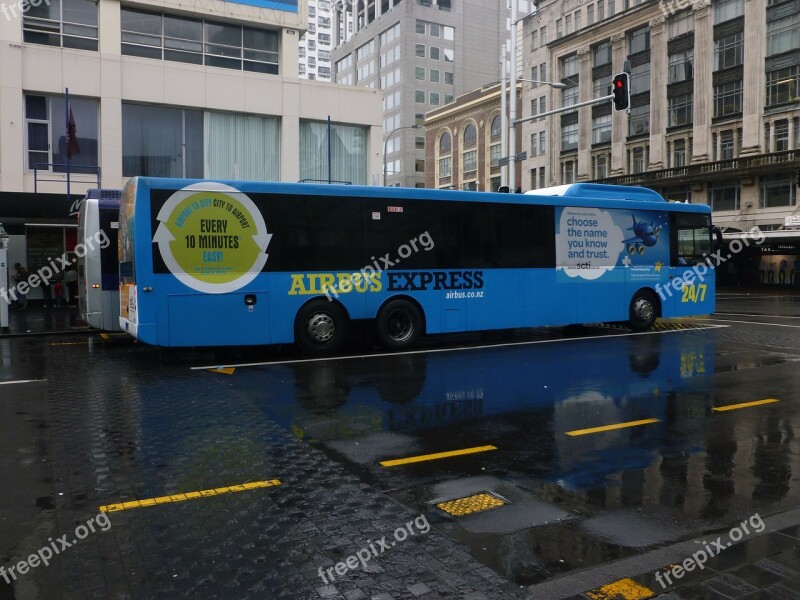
(535,39)
(496,128)
(434,98)
(725,10)
(637,160)
(639,120)
(445,166)
(448,78)
(601,166)
(568,172)
(419,50)
(681,23)
(541,177)
(569,137)
(433,53)
(419,96)
(419,73)
(449,55)
(569,96)
(729,51)
(434,74)
(66,23)
(601,87)
(639,40)
(569,66)
(559,29)
(725,196)
(494,154)
(543,104)
(778,190)
(728,99)
(601,129)
(783,35)
(590,14)
(534,144)
(783,85)
(781,135)
(680,110)
(46,123)
(601,54)
(534,76)
(349,147)
(470,161)
(601,10)
(542,142)
(568,24)
(200,42)
(681,66)
(679,153)
(239,146)
(470,136)
(161,141)
(640,78)
(726,145)
(445,143)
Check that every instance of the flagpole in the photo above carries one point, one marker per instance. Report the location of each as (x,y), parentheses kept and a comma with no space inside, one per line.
(67,140)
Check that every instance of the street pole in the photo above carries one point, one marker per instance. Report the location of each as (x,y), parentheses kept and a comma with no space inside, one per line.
(503,115)
(512,109)
(3,280)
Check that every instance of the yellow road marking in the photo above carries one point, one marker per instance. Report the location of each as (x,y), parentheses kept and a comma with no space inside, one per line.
(745,404)
(70,343)
(436,456)
(104,336)
(624,589)
(223,370)
(471,504)
(611,427)
(188,496)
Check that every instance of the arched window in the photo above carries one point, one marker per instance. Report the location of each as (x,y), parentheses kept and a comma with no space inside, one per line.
(470,135)
(495,131)
(445,143)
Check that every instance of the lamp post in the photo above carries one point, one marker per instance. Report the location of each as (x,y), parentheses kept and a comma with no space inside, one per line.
(3,279)
(556,84)
(386,143)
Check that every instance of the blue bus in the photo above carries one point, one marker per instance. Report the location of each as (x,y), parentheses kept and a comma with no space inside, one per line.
(98,266)
(205,263)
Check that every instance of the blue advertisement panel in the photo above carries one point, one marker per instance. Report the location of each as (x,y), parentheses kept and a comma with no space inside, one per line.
(607,244)
(287,5)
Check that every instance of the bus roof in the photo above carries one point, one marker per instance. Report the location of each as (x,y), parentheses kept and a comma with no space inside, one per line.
(106,198)
(580,194)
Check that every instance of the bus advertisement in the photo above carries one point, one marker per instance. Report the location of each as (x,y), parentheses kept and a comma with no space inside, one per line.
(273,263)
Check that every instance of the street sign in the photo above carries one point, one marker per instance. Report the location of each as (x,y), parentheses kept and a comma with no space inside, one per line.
(502,162)
(521,156)
(792,221)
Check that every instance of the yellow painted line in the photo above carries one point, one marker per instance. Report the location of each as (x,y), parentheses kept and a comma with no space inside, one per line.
(223,370)
(70,343)
(436,456)
(745,404)
(104,336)
(611,427)
(624,589)
(188,496)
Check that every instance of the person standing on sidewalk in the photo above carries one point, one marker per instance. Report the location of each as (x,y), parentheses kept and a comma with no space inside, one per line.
(71,279)
(20,276)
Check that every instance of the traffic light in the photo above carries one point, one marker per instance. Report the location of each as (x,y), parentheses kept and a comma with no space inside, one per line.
(622,91)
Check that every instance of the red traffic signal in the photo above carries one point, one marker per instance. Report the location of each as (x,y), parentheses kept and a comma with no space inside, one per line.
(622,91)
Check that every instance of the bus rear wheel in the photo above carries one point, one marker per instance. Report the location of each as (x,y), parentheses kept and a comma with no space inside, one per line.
(643,311)
(399,324)
(320,327)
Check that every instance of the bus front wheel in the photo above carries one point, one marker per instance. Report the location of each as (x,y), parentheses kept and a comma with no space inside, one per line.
(320,327)
(643,311)
(399,324)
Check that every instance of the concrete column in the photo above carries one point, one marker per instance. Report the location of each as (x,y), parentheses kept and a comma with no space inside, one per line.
(791,132)
(755,77)
(703,88)
(584,167)
(771,145)
(619,123)
(658,96)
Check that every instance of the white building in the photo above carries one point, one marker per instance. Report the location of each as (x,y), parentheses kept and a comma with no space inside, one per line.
(179,88)
(316,43)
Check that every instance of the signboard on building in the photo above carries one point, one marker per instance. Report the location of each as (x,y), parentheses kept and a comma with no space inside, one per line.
(287,5)
(792,221)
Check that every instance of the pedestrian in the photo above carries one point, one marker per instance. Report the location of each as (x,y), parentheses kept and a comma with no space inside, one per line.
(71,279)
(20,277)
(58,292)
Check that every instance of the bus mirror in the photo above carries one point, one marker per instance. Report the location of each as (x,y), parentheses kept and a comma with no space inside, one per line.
(717,238)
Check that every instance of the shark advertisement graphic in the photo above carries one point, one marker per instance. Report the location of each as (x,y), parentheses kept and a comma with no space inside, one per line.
(592,243)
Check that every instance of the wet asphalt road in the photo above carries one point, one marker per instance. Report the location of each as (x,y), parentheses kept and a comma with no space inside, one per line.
(600,445)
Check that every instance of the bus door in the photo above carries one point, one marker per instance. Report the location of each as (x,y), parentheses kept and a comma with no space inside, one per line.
(691,286)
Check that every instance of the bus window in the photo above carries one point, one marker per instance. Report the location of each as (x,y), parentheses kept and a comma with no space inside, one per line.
(691,242)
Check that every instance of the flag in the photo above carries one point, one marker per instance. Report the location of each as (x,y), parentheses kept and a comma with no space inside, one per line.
(72,138)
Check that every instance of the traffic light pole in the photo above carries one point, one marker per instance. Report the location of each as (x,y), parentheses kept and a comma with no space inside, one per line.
(564,109)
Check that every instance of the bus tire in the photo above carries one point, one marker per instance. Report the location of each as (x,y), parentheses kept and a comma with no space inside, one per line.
(321,327)
(643,311)
(399,324)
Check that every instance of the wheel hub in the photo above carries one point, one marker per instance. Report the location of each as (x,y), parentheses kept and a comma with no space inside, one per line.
(321,327)
(643,309)
(400,326)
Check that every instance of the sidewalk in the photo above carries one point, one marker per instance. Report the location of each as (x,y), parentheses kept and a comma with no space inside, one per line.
(38,320)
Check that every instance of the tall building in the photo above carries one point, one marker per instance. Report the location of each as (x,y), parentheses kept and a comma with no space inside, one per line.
(421,54)
(197,88)
(316,43)
(715,106)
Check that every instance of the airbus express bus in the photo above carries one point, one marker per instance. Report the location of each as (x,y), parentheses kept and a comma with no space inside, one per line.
(205,263)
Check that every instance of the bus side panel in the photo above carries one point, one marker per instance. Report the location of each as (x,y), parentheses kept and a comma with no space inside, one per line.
(242,318)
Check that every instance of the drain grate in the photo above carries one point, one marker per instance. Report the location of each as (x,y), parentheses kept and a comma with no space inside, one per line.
(471,504)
